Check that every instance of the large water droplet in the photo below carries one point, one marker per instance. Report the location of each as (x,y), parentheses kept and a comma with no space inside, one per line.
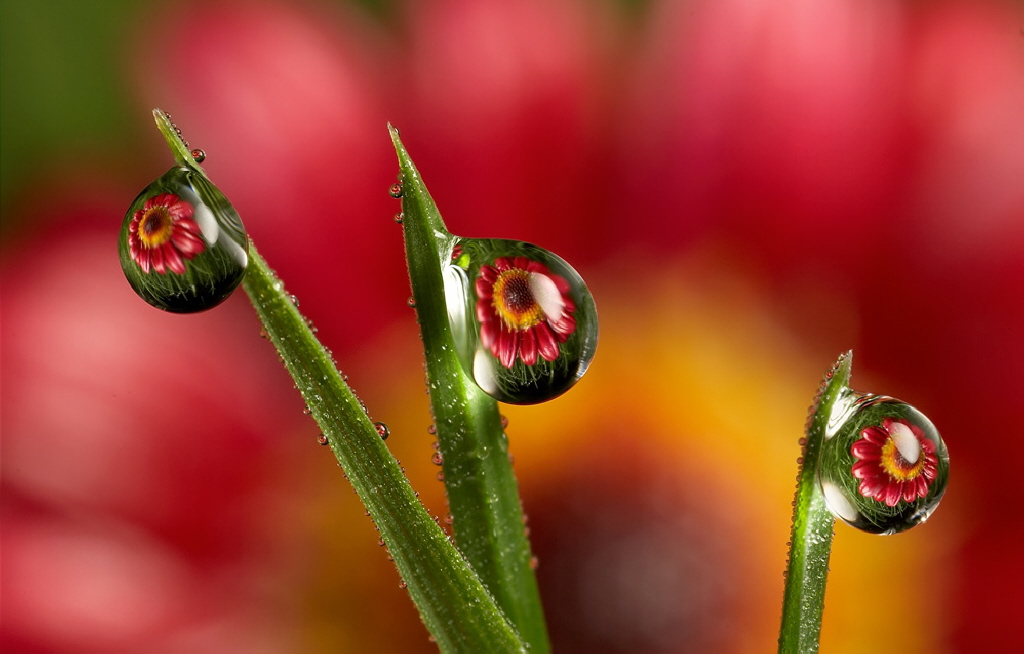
(182,244)
(883,467)
(523,321)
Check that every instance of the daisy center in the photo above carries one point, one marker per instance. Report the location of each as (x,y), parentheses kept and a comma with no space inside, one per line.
(156,227)
(901,454)
(514,300)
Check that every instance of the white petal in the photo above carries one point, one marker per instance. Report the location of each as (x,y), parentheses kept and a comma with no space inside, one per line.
(546,294)
(906,442)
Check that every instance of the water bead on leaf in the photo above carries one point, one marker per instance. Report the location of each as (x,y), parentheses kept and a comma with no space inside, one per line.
(883,467)
(523,321)
(182,246)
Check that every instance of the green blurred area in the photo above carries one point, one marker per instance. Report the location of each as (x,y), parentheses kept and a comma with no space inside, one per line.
(64,89)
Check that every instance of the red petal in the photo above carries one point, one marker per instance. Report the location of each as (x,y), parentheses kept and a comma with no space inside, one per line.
(922,486)
(562,283)
(546,342)
(872,487)
(563,327)
(528,347)
(866,450)
(502,263)
(874,434)
(173,259)
(187,243)
(508,345)
(892,494)
(484,311)
(156,259)
(910,490)
(488,334)
(521,263)
(489,273)
(180,210)
(864,470)
(484,289)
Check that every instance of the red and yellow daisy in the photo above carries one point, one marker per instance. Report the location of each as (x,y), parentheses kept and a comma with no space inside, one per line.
(524,310)
(162,235)
(895,461)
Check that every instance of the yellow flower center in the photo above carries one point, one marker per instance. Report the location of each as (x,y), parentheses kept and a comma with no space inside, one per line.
(902,454)
(514,302)
(156,227)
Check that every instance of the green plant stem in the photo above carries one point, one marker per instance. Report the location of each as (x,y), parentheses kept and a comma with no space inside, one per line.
(811,540)
(454,605)
(483,495)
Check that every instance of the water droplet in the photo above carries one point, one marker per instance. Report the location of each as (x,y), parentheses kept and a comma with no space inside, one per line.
(395,190)
(399,218)
(402,584)
(436,458)
(523,321)
(182,245)
(883,467)
(534,562)
(504,422)
(440,475)
(198,155)
(411,302)
(322,439)
(382,430)
(294,300)
(432,430)
(380,542)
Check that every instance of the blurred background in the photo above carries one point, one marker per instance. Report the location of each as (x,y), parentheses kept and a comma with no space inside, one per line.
(749,188)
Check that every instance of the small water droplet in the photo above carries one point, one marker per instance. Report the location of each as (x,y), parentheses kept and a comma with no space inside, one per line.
(440,475)
(437,459)
(306,411)
(264,334)
(182,245)
(399,218)
(380,542)
(432,430)
(504,422)
(884,468)
(402,584)
(382,430)
(411,302)
(449,518)
(523,321)
(534,562)
(395,190)
(322,439)
(198,155)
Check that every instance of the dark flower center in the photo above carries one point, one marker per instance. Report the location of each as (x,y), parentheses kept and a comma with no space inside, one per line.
(514,301)
(156,226)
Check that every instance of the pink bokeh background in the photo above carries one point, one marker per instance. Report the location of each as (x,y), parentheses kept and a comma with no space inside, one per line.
(750,188)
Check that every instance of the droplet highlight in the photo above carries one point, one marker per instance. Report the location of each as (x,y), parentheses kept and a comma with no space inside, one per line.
(182,245)
(523,321)
(883,467)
